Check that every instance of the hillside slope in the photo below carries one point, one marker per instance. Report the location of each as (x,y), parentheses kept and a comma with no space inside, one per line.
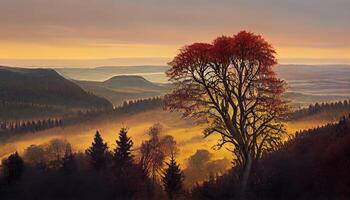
(313,165)
(44,87)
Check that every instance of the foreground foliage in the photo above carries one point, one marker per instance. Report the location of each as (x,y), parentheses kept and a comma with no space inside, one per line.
(53,171)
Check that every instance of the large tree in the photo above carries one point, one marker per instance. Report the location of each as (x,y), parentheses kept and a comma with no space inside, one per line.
(231,84)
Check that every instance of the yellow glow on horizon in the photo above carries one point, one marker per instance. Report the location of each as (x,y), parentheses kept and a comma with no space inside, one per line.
(44,51)
(307,52)
(17,50)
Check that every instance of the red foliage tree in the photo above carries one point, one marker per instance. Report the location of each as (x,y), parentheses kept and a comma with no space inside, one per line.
(231,84)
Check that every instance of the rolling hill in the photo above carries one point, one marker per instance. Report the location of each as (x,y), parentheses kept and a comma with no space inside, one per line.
(120,88)
(43,87)
(152,73)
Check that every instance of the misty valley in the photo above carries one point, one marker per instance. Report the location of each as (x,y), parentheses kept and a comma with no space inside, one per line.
(54,121)
(174,100)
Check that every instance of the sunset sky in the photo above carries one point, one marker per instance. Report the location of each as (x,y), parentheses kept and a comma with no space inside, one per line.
(123,32)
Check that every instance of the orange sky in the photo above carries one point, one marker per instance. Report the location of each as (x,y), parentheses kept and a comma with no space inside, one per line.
(315,31)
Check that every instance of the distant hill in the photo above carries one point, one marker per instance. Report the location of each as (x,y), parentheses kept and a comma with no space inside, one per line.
(307,84)
(152,73)
(44,87)
(120,88)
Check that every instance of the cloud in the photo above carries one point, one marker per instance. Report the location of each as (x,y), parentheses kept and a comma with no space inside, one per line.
(100,29)
(165,21)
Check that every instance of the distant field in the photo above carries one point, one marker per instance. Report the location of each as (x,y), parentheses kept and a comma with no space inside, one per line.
(316,83)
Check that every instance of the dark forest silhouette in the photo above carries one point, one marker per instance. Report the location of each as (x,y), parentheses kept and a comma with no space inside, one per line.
(295,170)
(55,171)
(313,165)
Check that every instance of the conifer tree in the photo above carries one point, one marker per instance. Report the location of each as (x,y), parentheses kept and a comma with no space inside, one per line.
(97,152)
(122,153)
(172,179)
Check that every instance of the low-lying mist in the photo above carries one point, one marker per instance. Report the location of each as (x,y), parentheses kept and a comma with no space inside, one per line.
(188,135)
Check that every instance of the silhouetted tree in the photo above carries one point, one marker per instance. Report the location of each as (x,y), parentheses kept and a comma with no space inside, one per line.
(122,153)
(172,179)
(97,152)
(12,167)
(155,150)
(55,151)
(231,84)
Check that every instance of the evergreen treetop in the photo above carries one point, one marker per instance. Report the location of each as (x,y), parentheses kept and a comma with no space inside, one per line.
(172,178)
(122,153)
(97,152)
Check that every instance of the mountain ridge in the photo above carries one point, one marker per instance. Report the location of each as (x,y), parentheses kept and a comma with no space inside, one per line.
(24,86)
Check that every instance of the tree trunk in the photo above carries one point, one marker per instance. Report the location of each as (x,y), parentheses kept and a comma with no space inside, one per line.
(245,176)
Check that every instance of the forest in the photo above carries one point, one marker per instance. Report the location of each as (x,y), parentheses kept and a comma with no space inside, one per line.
(296,170)
(13,128)
(55,170)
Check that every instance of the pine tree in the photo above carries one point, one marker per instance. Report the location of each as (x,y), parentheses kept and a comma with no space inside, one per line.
(98,151)
(172,179)
(13,167)
(122,153)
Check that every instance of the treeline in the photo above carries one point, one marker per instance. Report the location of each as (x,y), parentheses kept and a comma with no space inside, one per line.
(21,105)
(54,171)
(313,165)
(139,105)
(128,107)
(320,107)
(10,127)
(24,111)
(339,128)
